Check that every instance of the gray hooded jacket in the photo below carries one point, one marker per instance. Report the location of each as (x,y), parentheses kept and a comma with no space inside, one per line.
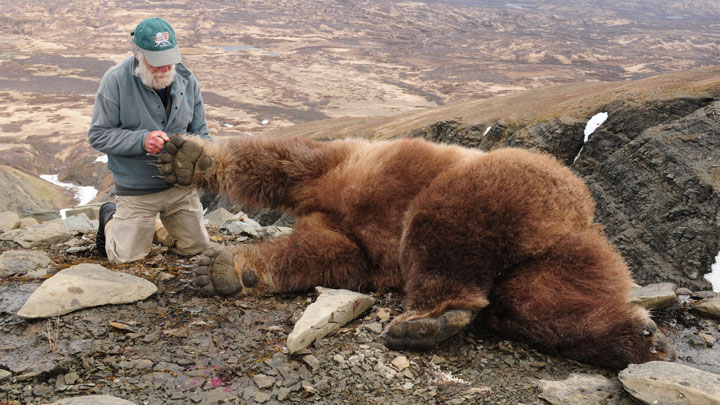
(126,110)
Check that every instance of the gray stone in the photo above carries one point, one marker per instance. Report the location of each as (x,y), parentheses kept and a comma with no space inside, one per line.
(655,296)
(579,389)
(242,227)
(683,291)
(27,222)
(670,383)
(23,262)
(311,361)
(332,310)
(261,397)
(82,286)
(374,327)
(219,217)
(263,381)
(274,231)
(8,221)
(710,307)
(90,210)
(93,400)
(400,363)
(4,374)
(45,216)
(80,223)
(38,235)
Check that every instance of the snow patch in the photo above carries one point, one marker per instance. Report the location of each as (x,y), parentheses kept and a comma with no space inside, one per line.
(84,194)
(593,124)
(487,130)
(714,276)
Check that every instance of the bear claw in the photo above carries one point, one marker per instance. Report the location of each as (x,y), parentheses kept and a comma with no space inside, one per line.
(424,333)
(656,341)
(215,273)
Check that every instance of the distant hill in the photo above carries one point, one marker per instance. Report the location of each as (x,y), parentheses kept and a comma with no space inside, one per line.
(577,102)
(25,194)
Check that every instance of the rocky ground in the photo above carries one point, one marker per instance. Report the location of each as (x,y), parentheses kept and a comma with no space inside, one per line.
(176,347)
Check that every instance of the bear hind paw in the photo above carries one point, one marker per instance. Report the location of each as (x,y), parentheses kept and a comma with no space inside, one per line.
(425,332)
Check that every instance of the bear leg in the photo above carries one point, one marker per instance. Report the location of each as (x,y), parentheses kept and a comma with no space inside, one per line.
(312,255)
(573,301)
(414,331)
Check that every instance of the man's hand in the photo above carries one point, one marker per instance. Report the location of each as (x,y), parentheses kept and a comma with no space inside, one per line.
(154,141)
(180,159)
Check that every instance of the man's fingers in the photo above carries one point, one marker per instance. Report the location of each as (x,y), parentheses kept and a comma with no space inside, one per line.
(164,137)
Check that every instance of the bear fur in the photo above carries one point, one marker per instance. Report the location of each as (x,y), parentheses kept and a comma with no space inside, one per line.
(505,236)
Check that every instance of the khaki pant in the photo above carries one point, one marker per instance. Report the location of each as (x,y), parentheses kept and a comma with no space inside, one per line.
(129,235)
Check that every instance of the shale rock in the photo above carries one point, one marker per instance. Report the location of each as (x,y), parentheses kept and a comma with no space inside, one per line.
(670,383)
(81,286)
(654,296)
(579,389)
(24,262)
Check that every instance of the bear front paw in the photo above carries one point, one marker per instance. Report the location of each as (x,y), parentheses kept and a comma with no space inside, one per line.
(214,273)
(179,160)
(424,333)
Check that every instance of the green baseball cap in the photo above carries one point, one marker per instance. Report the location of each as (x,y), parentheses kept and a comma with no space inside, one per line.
(157,40)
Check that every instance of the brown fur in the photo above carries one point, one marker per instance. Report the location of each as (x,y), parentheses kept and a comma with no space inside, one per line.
(508,234)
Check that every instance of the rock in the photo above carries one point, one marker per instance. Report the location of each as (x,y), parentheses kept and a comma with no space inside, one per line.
(696,341)
(4,374)
(274,231)
(374,327)
(701,295)
(709,307)
(579,389)
(262,397)
(655,296)
(80,223)
(219,217)
(263,381)
(8,221)
(707,338)
(81,286)
(311,361)
(93,400)
(27,222)
(242,227)
(22,262)
(71,377)
(45,216)
(683,291)
(90,210)
(670,383)
(400,363)
(383,314)
(38,235)
(332,310)
(144,364)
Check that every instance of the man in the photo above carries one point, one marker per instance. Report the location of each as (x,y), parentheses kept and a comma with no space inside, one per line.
(140,101)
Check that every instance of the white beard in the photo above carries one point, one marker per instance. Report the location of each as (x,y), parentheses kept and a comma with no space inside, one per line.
(158,80)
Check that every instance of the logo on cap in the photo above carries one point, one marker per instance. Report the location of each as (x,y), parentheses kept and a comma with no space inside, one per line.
(162,39)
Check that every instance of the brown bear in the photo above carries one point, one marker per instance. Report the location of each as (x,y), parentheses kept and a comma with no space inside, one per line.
(507,236)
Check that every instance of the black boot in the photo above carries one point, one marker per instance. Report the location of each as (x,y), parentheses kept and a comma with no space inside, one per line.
(107,211)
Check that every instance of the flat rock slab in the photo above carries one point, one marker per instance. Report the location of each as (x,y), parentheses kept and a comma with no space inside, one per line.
(332,310)
(709,307)
(8,220)
(24,262)
(80,223)
(655,296)
(662,382)
(93,400)
(38,235)
(579,389)
(82,286)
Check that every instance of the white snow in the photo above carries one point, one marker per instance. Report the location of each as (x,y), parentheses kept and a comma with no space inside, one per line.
(228,125)
(594,123)
(590,127)
(487,130)
(101,159)
(265,121)
(84,194)
(714,276)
